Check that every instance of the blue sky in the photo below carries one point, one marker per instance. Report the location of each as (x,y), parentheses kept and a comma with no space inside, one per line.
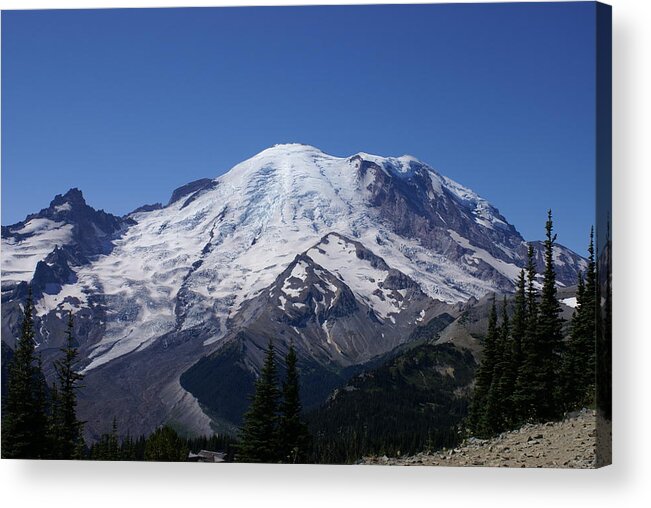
(129,104)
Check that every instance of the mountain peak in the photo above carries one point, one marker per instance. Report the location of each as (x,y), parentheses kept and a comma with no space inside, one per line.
(292,147)
(74,197)
(288,149)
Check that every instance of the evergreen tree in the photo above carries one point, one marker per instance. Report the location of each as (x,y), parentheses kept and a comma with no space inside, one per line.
(42,409)
(503,374)
(54,425)
(479,421)
(545,353)
(588,344)
(578,366)
(259,434)
(113,444)
(518,334)
(579,369)
(293,434)
(604,343)
(524,396)
(165,445)
(68,426)
(24,426)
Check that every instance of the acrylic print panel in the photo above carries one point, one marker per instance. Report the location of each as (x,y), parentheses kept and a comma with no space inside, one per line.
(324,235)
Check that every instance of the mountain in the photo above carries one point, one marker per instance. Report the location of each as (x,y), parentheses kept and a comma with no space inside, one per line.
(346,257)
(68,232)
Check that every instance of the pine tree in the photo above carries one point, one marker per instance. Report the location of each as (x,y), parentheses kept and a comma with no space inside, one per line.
(518,334)
(293,434)
(588,345)
(579,365)
(165,445)
(548,338)
(24,426)
(69,427)
(504,373)
(54,425)
(41,404)
(479,421)
(524,396)
(259,434)
(570,384)
(604,342)
(113,444)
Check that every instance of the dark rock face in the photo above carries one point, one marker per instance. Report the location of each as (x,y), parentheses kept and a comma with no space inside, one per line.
(190,189)
(147,208)
(418,208)
(53,273)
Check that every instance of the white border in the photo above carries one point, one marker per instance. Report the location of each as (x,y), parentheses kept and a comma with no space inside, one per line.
(70,484)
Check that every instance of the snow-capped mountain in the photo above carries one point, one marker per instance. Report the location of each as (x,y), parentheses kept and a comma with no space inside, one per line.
(344,256)
(68,230)
(338,303)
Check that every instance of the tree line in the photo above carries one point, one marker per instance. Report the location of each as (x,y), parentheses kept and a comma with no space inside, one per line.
(163,445)
(529,372)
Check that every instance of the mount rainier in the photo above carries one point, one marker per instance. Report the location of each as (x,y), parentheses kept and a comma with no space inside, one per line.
(346,257)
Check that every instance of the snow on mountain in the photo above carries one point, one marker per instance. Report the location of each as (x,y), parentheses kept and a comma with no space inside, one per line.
(379,244)
(365,278)
(339,302)
(29,243)
(219,242)
(68,223)
(233,239)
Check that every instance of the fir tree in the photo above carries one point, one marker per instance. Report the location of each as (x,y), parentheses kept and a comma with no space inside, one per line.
(545,354)
(524,395)
(293,434)
(68,426)
(604,344)
(165,445)
(550,329)
(113,444)
(579,366)
(518,334)
(479,421)
(259,434)
(24,426)
(588,344)
(504,374)
(54,425)
(579,369)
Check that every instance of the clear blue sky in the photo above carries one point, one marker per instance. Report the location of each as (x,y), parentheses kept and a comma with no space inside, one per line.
(129,104)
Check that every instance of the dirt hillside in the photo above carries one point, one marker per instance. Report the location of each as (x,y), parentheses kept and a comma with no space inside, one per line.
(571,443)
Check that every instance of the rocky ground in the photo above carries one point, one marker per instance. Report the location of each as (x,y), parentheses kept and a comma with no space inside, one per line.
(571,443)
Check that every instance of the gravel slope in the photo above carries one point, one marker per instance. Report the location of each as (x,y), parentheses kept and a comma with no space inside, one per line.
(571,443)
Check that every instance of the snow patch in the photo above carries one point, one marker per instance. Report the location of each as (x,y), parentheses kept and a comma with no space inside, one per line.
(570,302)
(20,257)
(509,270)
